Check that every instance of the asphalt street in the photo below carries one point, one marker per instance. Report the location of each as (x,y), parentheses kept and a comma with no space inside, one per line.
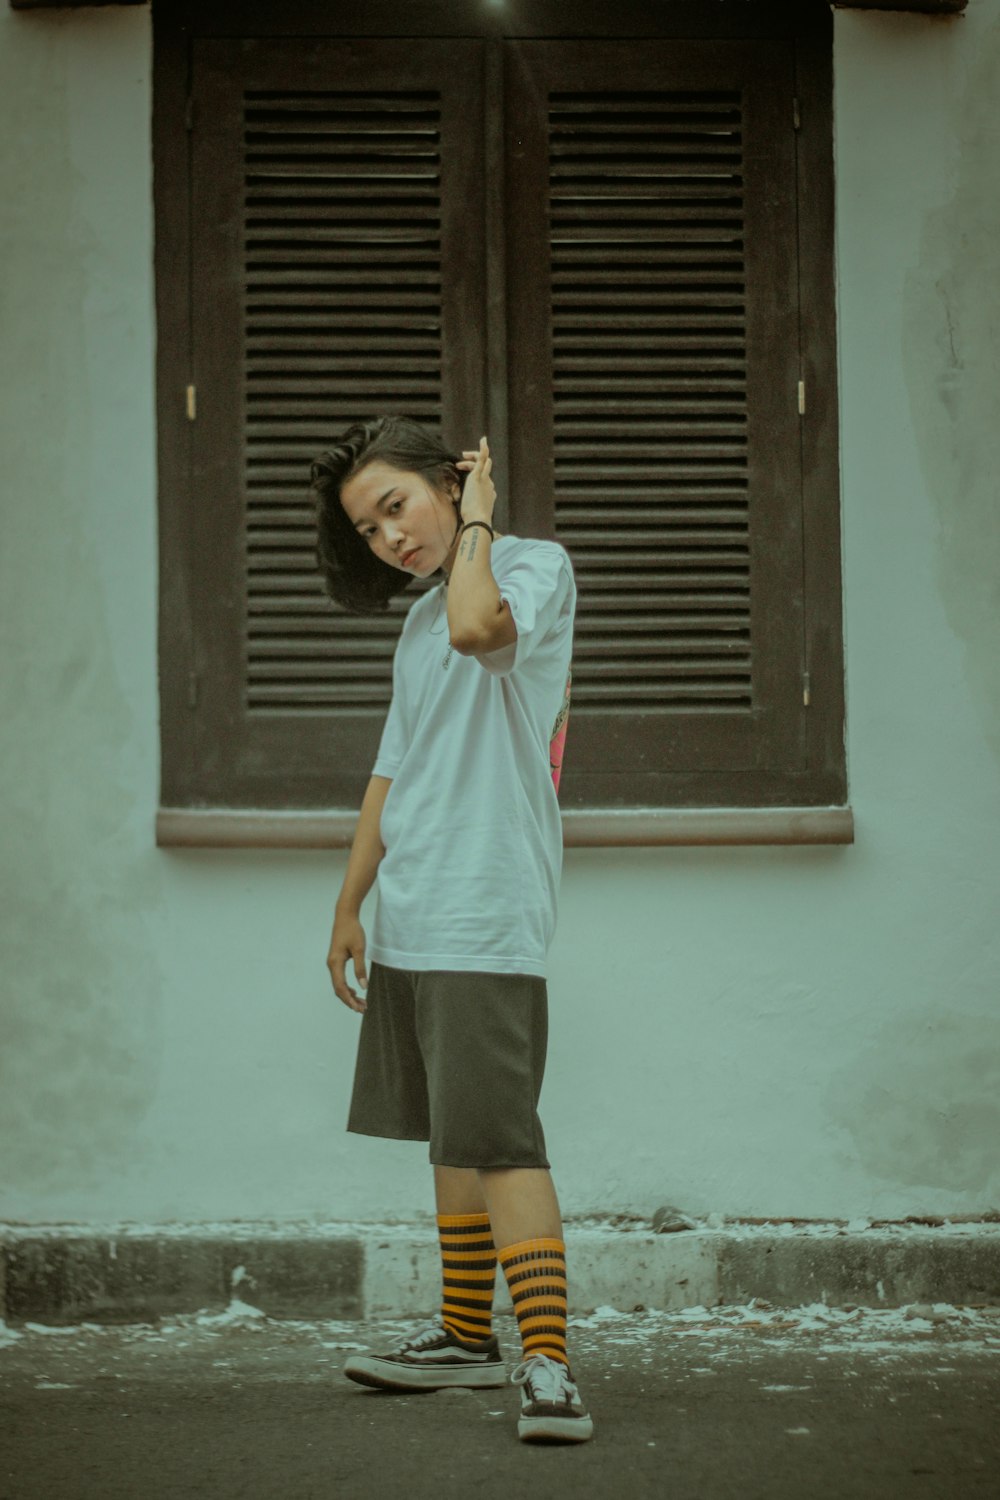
(751,1402)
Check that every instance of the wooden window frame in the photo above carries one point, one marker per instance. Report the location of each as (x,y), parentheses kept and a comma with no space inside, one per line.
(822,815)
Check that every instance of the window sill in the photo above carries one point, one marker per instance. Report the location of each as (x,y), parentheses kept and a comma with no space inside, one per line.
(929,7)
(249,828)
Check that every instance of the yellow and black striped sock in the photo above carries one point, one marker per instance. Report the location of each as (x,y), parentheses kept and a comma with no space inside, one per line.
(468,1263)
(536,1275)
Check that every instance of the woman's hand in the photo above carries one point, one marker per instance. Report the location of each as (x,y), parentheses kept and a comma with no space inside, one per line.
(348,941)
(478,497)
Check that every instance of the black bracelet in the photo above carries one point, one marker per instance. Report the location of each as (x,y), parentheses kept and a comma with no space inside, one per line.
(489,528)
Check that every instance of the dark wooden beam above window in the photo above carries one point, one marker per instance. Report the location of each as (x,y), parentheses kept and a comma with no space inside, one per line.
(67,4)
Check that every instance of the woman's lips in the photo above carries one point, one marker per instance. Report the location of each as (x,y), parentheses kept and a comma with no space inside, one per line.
(409,557)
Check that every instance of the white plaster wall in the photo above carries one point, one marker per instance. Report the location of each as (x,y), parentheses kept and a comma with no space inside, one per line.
(755,1031)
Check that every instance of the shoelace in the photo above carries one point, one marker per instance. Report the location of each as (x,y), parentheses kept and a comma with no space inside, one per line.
(548,1379)
(425,1336)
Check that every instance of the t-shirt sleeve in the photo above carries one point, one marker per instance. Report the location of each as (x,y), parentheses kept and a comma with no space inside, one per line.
(395,731)
(538,586)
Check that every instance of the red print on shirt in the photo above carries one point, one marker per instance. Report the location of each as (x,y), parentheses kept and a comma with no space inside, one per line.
(557,743)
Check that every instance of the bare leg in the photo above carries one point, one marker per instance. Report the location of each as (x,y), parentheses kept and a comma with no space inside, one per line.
(521,1203)
(457,1191)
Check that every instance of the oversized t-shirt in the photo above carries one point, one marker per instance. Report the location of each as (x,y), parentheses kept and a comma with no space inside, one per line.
(471,826)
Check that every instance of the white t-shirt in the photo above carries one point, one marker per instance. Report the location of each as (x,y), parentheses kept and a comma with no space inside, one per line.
(471,826)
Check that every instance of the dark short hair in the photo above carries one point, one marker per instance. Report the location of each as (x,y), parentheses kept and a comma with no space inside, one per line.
(353,576)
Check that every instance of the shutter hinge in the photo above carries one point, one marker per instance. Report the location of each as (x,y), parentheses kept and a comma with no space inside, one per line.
(192,690)
(805,689)
(796,119)
(802,397)
(191,403)
(189,115)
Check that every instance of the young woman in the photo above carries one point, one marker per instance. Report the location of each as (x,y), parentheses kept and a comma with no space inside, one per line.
(461,824)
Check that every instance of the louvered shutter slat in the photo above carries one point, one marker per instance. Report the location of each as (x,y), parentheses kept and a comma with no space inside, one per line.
(327,212)
(628,174)
(648,244)
(354,160)
(355,164)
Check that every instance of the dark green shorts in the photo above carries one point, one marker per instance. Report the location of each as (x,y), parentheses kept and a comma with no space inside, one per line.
(455,1059)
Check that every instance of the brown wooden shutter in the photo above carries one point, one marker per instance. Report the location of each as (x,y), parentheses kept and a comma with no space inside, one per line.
(653,354)
(334,278)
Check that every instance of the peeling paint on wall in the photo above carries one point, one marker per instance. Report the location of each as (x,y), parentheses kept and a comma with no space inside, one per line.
(921,1104)
(951,363)
(80,984)
(81,989)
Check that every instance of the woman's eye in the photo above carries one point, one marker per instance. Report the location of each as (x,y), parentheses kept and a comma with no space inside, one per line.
(370,534)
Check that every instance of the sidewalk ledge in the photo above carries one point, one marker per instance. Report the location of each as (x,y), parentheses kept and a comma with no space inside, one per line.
(137,1273)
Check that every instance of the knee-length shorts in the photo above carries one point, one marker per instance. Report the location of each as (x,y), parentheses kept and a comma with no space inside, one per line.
(455,1059)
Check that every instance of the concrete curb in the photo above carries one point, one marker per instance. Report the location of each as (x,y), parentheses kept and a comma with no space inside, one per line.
(138,1273)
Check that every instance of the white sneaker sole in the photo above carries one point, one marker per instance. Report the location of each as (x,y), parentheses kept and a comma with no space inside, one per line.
(555,1429)
(370,1370)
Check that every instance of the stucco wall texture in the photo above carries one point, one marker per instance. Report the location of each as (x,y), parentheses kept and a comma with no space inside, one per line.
(755,1031)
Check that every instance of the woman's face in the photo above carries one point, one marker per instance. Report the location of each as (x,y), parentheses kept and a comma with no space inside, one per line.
(402,518)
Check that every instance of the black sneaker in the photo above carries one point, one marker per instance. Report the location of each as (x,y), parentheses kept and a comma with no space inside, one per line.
(551,1409)
(431,1360)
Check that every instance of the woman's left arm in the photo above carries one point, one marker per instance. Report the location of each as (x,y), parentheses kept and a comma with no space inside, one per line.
(474,600)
